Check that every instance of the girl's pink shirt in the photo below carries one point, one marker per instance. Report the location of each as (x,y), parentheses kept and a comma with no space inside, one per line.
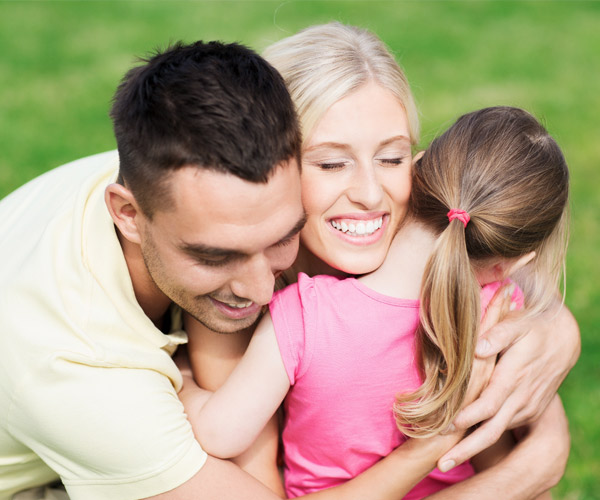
(347,351)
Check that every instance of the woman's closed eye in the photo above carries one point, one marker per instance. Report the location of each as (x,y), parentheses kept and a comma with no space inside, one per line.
(333,165)
(392,162)
(328,164)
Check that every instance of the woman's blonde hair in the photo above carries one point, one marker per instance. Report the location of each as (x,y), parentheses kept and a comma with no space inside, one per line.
(324,63)
(502,167)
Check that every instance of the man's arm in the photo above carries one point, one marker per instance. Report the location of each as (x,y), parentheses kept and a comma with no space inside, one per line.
(537,354)
(546,444)
(535,465)
(389,479)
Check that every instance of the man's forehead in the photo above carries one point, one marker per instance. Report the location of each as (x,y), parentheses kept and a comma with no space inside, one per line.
(221,210)
(225,188)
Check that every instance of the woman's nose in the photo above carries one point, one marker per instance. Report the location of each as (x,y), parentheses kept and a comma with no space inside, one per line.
(366,189)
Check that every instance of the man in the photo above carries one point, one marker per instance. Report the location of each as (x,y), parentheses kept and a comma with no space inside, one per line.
(89,390)
(201,209)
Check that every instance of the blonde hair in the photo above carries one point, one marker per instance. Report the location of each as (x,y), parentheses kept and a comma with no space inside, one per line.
(502,167)
(324,63)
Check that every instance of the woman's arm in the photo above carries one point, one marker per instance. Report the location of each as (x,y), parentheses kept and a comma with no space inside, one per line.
(536,355)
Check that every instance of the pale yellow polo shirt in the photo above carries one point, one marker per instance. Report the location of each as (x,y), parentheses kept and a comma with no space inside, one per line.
(88,390)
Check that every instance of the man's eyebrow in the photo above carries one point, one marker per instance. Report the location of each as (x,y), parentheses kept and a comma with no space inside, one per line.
(295,230)
(200,250)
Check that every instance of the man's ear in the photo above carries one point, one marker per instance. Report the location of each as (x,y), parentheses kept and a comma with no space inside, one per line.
(124,211)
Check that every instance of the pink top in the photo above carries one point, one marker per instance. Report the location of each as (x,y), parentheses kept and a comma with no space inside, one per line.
(347,351)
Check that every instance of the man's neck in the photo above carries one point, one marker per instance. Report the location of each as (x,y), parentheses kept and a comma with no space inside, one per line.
(151,299)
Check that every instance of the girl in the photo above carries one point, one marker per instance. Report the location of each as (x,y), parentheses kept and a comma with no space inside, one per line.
(488,201)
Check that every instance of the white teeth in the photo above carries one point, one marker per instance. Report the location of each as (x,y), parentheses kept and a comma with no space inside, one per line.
(240,306)
(358,228)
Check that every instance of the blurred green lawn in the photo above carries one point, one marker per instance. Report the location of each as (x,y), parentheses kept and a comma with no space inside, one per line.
(61,61)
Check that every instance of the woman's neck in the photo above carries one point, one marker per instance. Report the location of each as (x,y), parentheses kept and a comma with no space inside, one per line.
(401,273)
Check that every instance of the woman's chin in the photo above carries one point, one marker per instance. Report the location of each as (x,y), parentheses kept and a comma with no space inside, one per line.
(357,264)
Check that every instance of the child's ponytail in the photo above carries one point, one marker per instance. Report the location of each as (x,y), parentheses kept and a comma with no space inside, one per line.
(494,186)
(446,337)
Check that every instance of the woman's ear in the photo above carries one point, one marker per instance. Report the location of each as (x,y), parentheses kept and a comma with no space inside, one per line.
(124,211)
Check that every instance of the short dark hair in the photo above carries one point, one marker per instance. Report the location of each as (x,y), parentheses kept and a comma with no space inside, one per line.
(211,105)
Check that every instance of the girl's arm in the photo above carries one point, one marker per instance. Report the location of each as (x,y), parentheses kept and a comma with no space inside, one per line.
(213,357)
(232,417)
(392,477)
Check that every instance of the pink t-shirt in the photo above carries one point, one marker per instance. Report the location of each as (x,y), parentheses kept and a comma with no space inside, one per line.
(348,351)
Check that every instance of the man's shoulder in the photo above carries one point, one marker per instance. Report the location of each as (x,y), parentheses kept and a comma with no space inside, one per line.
(61,181)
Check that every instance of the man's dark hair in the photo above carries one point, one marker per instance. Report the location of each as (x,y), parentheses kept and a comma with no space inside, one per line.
(211,105)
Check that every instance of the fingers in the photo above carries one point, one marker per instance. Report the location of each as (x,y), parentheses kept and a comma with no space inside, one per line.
(495,312)
(485,407)
(533,407)
(480,376)
(480,439)
(501,336)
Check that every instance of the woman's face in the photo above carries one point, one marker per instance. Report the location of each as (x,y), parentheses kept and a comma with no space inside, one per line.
(356,180)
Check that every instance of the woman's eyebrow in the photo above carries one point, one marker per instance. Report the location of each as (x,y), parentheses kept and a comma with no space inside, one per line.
(331,145)
(396,138)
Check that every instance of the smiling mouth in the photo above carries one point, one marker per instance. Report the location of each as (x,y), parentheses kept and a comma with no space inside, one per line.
(352,227)
(237,305)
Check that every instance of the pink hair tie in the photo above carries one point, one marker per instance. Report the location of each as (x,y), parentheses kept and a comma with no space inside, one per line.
(461,215)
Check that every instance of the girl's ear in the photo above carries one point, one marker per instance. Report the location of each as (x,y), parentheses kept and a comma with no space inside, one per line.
(515,265)
(502,269)
(124,211)
(418,156)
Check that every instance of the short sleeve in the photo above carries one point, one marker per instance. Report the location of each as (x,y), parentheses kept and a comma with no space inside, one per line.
(291,311)
(110,433)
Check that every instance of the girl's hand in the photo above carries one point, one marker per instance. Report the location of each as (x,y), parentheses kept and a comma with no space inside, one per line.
(537,354)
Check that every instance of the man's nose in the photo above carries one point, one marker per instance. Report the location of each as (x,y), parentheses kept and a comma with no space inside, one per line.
(255,280)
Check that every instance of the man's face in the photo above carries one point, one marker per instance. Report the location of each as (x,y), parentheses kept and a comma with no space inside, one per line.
(217,252)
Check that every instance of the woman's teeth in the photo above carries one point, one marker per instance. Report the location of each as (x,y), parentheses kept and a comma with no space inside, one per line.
(362,228)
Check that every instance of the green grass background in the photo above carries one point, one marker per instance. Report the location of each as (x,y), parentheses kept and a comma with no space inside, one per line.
(60,62)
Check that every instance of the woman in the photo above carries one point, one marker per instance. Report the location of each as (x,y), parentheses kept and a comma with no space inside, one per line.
(356,159)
